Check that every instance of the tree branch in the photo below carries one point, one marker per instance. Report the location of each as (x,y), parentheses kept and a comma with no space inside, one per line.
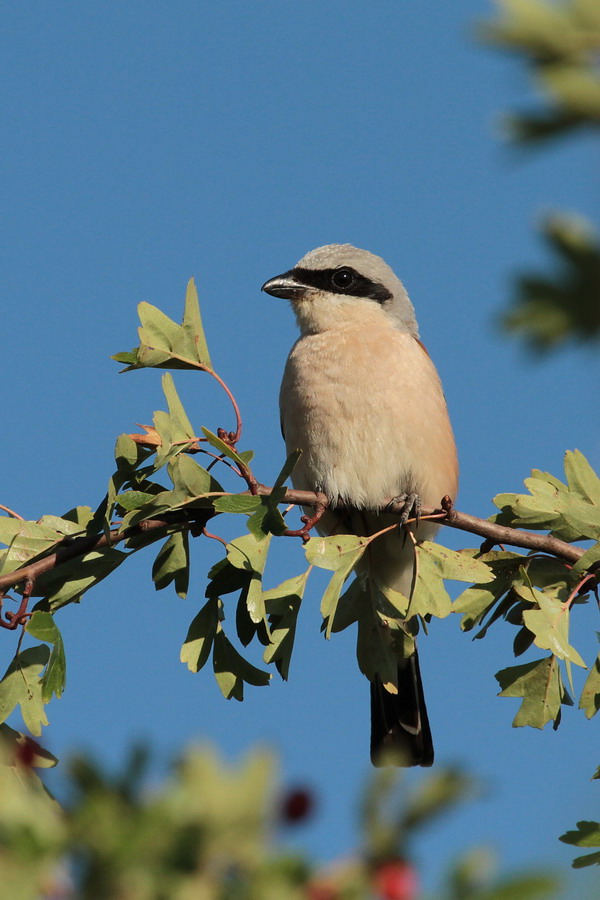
(498,534)
(72,548)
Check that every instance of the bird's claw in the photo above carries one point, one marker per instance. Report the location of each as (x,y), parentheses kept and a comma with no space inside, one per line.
(411,503)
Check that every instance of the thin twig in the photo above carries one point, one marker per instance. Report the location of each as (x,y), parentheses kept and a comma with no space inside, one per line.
(11,512)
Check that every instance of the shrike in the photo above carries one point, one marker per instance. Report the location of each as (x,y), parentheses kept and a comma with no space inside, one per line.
(363,401)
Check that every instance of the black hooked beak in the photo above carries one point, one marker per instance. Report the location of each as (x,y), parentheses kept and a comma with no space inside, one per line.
(285,286)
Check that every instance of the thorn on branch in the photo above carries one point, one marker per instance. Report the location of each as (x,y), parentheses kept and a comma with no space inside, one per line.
(309,523)
(12,620)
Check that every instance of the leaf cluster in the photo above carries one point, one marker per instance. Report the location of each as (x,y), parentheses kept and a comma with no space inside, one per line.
(559,42)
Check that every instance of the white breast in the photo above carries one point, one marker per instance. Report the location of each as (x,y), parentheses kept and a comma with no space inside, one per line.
(367,409)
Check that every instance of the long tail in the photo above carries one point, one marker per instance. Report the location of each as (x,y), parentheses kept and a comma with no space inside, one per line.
(400,732)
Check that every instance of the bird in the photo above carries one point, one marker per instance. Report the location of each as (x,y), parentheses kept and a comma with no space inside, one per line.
(363,402)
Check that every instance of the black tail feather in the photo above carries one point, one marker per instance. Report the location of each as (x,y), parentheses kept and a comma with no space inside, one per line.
(400,732)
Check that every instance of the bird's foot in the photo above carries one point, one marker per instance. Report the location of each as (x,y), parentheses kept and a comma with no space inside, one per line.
(411,504)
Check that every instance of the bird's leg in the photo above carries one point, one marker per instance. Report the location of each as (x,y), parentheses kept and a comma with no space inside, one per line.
(412,506)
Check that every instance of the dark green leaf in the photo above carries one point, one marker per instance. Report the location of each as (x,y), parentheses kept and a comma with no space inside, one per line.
(42,626)
(199,639)
(283,604)
(172,564)
(287,468)
(225,579)
(232,670)
(67,583)
(590,695)
(133,499)
(587,835)
(237,503)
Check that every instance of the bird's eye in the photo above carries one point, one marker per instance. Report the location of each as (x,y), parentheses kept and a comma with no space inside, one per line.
(343,279)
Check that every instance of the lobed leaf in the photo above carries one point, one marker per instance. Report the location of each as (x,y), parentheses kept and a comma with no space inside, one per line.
(21,685)
(249,554)
(172,565)
(540,686)
(42,626)
(336,551)
(282,604)
(590,695)
(586,835)
(550,625)
(164,344)
(232,670)
(200,636)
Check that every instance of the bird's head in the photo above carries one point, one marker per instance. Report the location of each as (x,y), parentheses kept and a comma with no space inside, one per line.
(339,284)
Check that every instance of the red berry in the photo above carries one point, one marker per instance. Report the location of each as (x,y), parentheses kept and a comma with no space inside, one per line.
(396,880)
(296,805)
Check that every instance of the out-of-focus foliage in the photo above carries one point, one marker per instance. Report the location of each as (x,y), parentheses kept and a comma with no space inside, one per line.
(213,832)
(551,309)
(559,42)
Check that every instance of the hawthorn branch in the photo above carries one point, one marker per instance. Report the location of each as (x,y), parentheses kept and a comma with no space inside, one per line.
(447,515)
(72,548)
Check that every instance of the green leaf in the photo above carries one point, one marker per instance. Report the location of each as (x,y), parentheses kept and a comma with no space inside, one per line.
(225,449)
(194,341)
(172,564)
(589,559)
(477,601)
(133,499)
(348,608)
(456,565)
(380,642)
(582,479)
(587,835)
(21,685)
(174,428)
(225,579)
(164,344)
(282,605)
(127,454)
(430,597)
(590,695)
(553,505)
(336,551)
(232,670)
(550,625)
(29,539)
(191,481)
(540,685)
(42,626)
(287,468)
(267,519)
(251,555)
(67,583)
(199,639)
(331,596)
(237,503)
(129,357)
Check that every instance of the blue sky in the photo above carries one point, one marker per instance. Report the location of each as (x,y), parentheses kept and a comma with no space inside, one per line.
(148,142)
